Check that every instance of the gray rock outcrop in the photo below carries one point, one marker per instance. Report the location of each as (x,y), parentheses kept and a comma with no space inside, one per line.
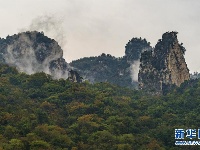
(32,52)
(163,67)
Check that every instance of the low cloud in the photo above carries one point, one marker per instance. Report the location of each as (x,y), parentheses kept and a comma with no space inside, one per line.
(134,70)
(51,25)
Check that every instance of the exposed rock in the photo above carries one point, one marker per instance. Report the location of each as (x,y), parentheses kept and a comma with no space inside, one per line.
(75,77)
(33,52)
(164,66)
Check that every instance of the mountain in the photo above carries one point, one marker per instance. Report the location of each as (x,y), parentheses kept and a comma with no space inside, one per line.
(154,70)
(33,52)
(164,66)
(134,48)
(106,68)
(159,68)
(39,112)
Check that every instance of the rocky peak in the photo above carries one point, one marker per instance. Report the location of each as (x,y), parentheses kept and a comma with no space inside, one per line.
(164,66)
(33,52)
(135,47)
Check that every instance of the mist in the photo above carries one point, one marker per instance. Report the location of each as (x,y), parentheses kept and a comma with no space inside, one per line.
(134,70)
(21,52)
(51,25)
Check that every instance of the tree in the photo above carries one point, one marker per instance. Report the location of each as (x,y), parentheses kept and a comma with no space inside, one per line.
(39,145)
(102,140)
(15,144)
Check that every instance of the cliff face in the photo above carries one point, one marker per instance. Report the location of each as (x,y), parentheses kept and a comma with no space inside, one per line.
(164,66)
(33,52)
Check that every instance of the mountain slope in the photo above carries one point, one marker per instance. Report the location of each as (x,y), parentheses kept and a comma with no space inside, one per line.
(38,112)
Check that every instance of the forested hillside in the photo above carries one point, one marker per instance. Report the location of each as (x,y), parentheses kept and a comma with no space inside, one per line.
(38,112)
(105,68)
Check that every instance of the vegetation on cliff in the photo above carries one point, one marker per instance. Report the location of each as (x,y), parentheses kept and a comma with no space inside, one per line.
(135,47)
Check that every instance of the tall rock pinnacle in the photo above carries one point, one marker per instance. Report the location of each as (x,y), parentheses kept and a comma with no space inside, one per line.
(164,66)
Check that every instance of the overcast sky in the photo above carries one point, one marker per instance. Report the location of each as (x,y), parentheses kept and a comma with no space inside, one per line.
(91,27)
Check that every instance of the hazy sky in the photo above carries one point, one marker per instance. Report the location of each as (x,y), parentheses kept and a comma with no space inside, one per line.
(91,27)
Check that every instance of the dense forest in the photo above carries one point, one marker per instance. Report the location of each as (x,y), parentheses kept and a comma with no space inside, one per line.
(38,113)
